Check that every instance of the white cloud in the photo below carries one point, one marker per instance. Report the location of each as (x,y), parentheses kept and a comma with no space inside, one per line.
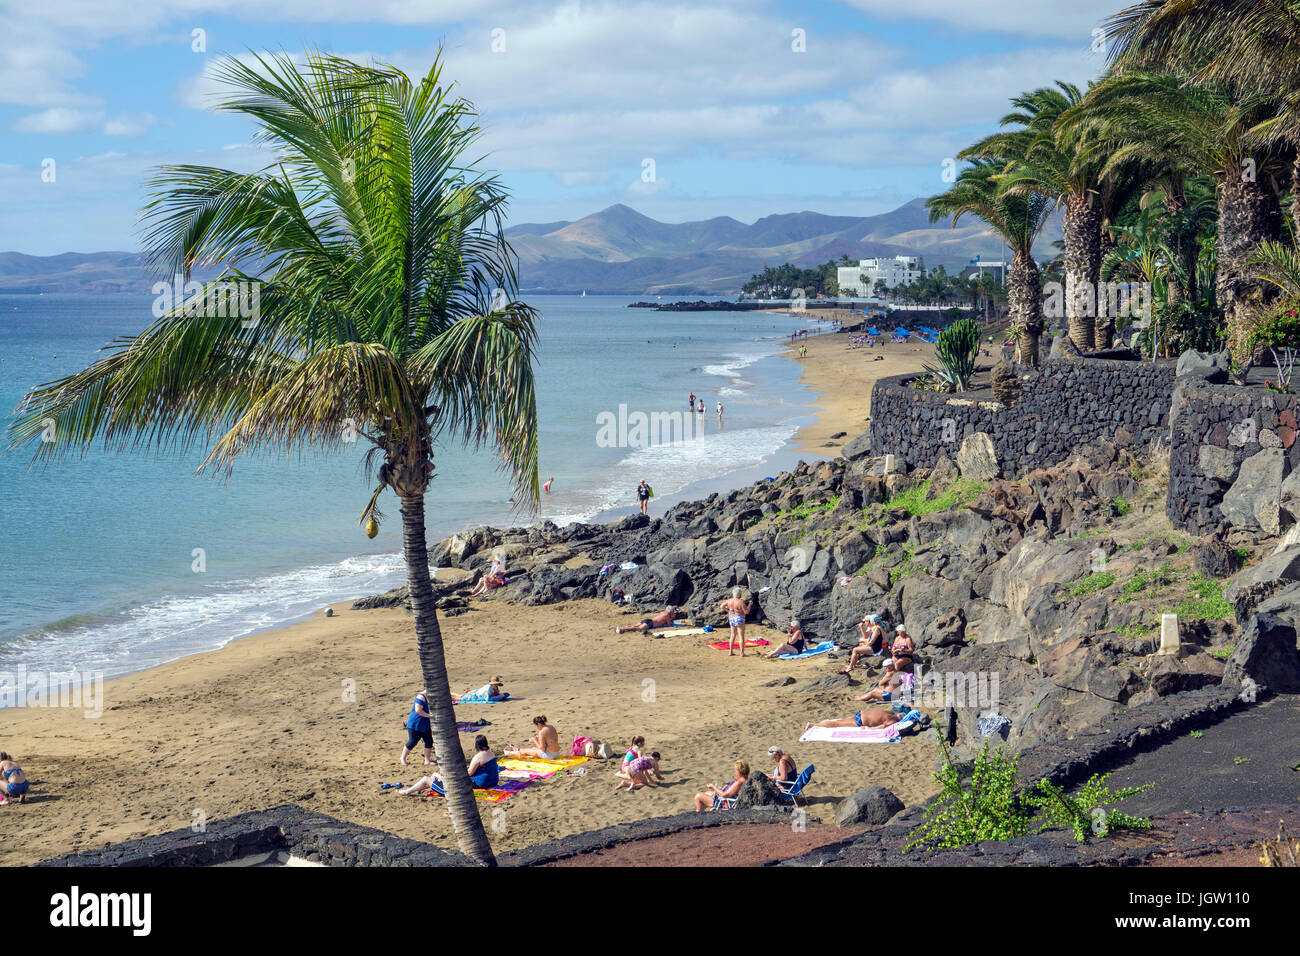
(63,120)
(1060,19)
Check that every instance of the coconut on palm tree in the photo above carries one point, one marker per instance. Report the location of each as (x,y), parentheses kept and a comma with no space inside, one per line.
(1017,219)
(385,308)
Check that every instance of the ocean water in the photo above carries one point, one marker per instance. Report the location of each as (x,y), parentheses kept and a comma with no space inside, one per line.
(114,562)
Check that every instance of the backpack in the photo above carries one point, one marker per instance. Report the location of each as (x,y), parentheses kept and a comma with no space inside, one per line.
(616,595)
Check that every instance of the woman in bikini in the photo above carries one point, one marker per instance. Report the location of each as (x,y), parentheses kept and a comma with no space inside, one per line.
(547,743)
(902,651)
(736,610)
(14,782)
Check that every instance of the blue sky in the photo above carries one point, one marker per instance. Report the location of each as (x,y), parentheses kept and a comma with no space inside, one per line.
(737,121)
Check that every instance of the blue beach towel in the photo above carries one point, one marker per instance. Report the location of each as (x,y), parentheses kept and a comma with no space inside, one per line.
(821,648)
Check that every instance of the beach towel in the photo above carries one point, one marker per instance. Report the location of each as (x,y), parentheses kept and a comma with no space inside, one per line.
(821,648)
(470,726)
(674,631)
(504,789)
(723,645)
(534,767)
(851,735)
(470,699)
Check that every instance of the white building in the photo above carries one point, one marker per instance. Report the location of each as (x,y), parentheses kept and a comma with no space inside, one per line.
(862,278)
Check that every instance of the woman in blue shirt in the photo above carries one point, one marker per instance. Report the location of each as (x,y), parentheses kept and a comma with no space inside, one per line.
(418,728)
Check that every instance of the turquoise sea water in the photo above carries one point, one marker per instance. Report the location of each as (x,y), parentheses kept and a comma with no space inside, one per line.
(98,553)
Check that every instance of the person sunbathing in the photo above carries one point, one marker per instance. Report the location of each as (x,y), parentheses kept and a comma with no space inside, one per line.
(887,687)
(863,718)
(484,773)
(481,695)
(707,799)
(546,744)
(871,643)
(786,770)
(494,577)
(641,772)
(795,642)
(901,651)
(662,619)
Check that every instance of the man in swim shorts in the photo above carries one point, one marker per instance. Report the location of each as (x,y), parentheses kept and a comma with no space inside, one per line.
(662,619)
(863,718)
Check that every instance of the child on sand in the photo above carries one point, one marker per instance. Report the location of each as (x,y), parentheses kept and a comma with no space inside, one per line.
(641,772)
(14,782)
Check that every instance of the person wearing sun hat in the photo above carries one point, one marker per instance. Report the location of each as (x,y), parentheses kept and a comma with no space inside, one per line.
(870,644)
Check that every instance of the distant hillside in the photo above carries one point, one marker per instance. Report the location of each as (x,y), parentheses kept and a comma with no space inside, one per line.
(619,250)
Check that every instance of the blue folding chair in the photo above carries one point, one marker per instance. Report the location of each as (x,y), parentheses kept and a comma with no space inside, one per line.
(790,789)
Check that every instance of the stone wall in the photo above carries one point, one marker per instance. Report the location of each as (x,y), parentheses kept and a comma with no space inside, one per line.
(1064,405)
(1232,449)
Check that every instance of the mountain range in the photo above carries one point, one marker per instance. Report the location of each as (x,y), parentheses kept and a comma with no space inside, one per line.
(619,250)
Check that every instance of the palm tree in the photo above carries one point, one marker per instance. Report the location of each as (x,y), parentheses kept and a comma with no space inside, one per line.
(1163,120)
(1017,219)
(1249,45)
(385,306)
(1059,168)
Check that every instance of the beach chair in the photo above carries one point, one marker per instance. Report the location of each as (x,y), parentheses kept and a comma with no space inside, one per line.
(790,789)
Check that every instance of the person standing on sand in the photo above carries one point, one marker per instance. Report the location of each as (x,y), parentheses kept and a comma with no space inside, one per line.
(419,728)
(736,610)
(547,743)
(15,782)
(643,496)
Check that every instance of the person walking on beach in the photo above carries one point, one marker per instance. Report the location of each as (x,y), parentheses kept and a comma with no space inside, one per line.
(736,610)
(547,743)
(643,496)
(15,782)
(690,402)
(419,728)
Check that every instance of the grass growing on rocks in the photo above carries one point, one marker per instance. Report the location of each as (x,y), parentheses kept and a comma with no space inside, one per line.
(916,501)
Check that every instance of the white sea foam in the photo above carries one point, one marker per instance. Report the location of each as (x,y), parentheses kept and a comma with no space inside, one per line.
(175,626)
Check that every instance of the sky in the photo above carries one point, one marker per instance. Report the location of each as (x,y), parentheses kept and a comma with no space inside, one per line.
(745,108)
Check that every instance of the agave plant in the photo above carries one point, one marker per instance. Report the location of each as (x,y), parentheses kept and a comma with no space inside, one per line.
(956,350)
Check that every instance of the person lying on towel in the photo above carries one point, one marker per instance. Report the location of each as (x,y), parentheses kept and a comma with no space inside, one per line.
(662,619)
(863,718)
(889,686)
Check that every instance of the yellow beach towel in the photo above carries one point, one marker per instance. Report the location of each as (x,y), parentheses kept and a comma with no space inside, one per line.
(538,764)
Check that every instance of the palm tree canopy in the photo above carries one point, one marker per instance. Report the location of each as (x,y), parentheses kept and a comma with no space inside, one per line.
(1018,219)
(384,288)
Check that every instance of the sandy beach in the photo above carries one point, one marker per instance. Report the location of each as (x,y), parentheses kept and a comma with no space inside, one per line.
(269,719)
(844,378)
(264,721)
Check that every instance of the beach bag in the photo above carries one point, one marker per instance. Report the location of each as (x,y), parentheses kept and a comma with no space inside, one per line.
(616,595)
(579,748)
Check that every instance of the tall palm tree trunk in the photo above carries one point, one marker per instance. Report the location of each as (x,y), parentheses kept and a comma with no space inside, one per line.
(1295,194)
(1081,229)
(433,664)
(1248,214)
(1025,300)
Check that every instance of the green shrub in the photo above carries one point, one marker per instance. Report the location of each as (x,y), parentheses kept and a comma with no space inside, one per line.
(1083,813)
(985,806)
(957,348)
(1093,583)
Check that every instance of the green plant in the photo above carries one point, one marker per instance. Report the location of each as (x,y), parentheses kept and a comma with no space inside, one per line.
(1091,584)
(982,806)
(1121,506)
(1197,734)
(956,349)
(1223,653)
(1083,813)
(1207,602)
